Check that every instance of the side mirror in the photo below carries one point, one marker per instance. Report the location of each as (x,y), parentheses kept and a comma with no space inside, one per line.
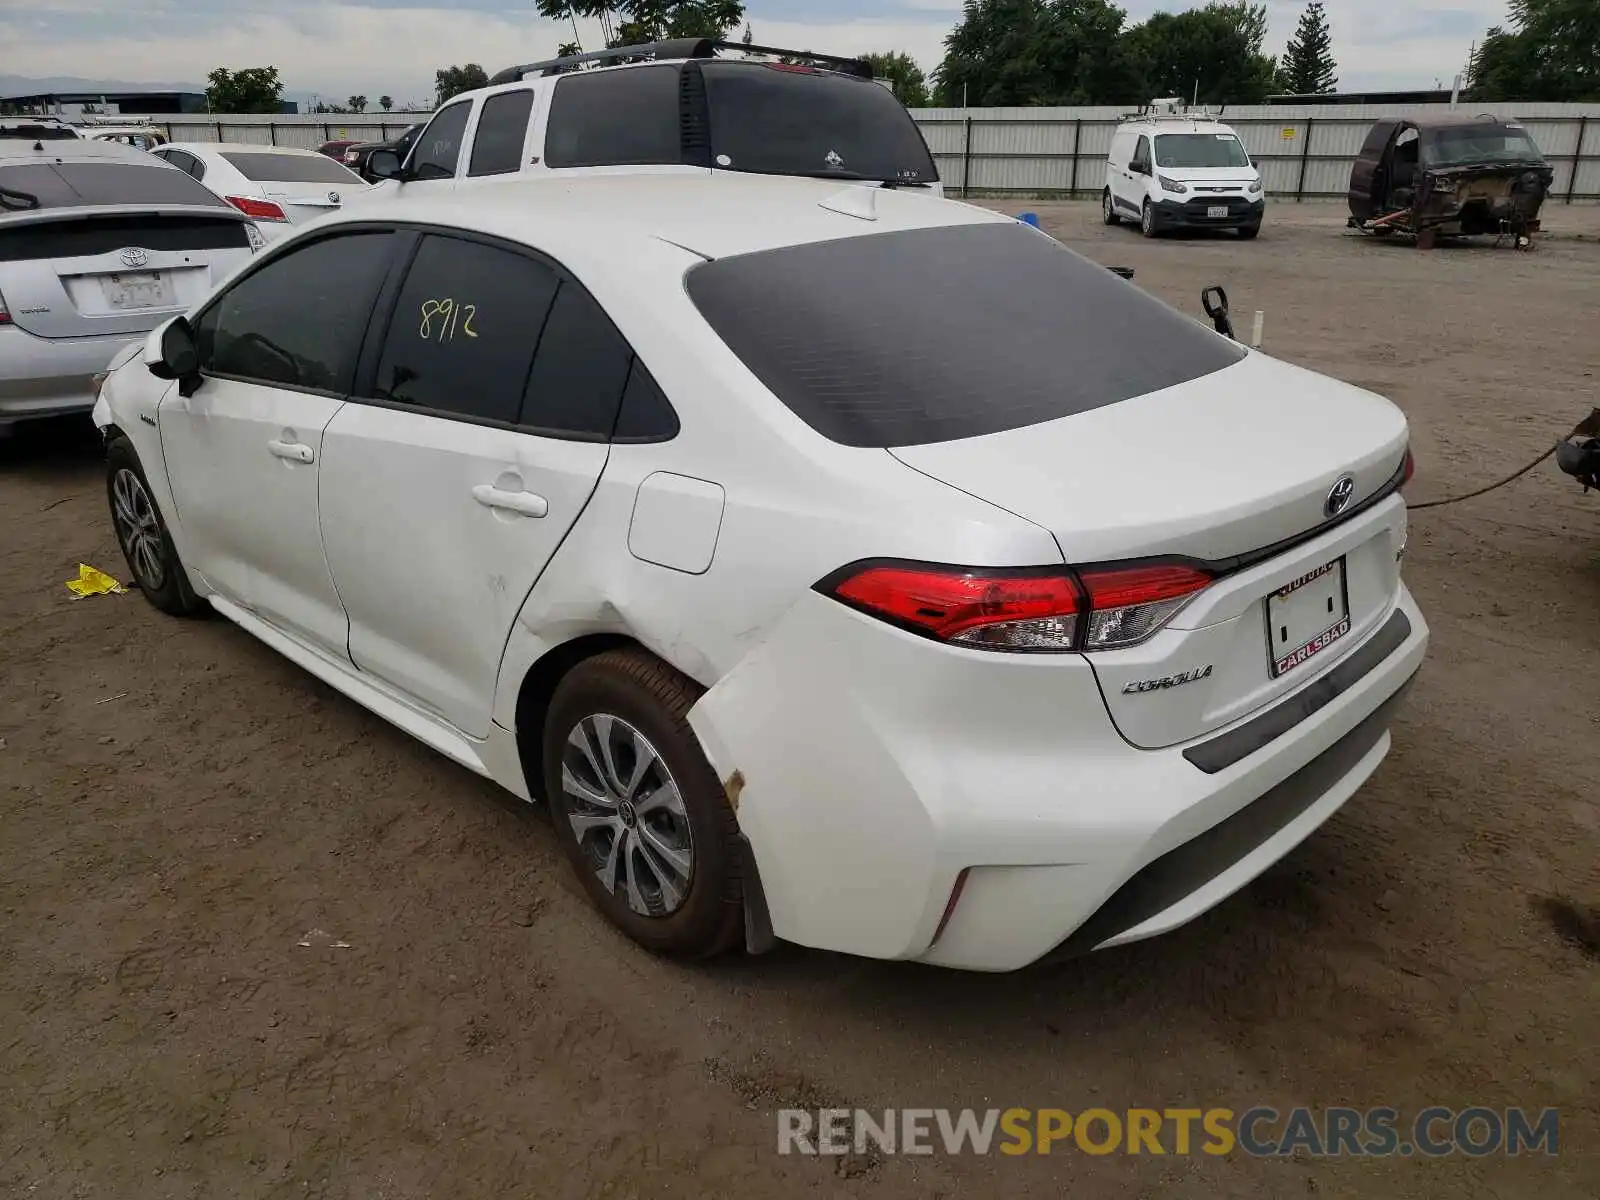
(384,164)
(172,353)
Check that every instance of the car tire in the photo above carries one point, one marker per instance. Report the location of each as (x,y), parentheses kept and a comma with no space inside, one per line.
(1108,209)
(1147,221)
(661,859)
(1247,232)
(143,537)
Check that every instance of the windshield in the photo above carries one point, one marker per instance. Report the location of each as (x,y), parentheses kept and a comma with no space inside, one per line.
(289,168)
(1200,150)
(926,335)
(775,120)
(1461,145)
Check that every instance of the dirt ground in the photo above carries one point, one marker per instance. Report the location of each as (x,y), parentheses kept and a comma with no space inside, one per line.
(256,943)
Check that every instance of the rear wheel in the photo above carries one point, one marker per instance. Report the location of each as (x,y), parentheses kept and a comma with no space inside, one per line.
(143,536)
(1108,208)
(639,811)
(1147,220)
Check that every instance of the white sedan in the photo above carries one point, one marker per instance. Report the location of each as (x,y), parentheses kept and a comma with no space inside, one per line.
(276,186)
(876,574)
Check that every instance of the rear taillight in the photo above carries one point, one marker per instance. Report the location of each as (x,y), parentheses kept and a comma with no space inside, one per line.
(1128,604)
(1025,609)
(351,156)
(260,210)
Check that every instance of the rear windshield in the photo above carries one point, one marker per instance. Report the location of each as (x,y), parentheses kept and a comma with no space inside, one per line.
(1465,145)
(70,184)
(1200,150)
(776,120)
(928,335)
(288,168)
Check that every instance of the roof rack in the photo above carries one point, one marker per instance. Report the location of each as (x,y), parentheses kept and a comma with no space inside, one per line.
(677,49)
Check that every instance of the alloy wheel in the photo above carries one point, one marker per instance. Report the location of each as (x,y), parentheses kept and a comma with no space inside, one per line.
(627,814)
(138,529)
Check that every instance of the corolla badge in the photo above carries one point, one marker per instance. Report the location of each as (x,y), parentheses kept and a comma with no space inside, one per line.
(1168,681)
(833,160)
(1339,496)
(134,257)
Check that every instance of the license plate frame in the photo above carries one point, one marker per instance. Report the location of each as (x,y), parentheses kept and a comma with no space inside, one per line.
(133,291)
(1306,616)
(1215,211)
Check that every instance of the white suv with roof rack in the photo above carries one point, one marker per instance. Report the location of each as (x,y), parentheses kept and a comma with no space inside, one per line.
(693,105)
(1174,169)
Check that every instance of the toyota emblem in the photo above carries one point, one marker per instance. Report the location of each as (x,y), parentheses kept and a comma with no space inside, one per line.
(333,197)
(1339,496)
(134,257)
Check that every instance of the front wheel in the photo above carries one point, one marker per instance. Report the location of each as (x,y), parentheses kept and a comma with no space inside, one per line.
(1108,208)
(1246,232)
(1147,220)
(143,536)
(640,813)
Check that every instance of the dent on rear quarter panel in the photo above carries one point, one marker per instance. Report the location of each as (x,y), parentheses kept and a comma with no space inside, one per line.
(817,790)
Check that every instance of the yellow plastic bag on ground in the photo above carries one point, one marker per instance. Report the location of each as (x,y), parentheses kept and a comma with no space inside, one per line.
(92,582)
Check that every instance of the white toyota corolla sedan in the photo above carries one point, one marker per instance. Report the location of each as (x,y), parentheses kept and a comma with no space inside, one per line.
(865,570)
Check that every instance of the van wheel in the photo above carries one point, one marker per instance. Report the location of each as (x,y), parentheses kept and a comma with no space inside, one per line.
(642,817)
(1246,232)
(1108,208)
(1147,221)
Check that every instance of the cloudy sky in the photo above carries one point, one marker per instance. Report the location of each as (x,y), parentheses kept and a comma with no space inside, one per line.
(339,47)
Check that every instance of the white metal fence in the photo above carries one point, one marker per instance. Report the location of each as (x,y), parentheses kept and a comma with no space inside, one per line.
(1304,151)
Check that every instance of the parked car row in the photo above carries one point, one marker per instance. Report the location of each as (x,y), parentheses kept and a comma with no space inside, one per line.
(770,516)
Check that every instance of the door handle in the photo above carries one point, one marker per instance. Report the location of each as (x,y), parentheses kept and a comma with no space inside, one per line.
(526,503)
(294,451)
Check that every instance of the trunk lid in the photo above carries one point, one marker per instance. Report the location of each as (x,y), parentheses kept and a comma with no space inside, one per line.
(306,202)
(96,272)
(1234,469)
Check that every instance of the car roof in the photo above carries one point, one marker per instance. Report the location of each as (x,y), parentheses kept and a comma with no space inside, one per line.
(1447,120)
(1180,125)
(14,150)
(713,215)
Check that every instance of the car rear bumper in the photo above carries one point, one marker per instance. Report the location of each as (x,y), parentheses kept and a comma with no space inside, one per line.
(872,771)
(1193,214)
(44,377)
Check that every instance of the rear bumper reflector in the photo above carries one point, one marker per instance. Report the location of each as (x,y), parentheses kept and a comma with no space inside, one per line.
(1226,749)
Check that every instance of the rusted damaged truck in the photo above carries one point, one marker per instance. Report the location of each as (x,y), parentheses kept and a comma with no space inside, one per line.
(1449,175)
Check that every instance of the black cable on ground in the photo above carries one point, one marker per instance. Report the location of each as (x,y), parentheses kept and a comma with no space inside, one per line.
(1491,487)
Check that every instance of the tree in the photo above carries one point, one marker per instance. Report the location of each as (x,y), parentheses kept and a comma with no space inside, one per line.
(1018,52)
(358,104)
(452,81)
(910,85)
(1308,67)
(386,102)
(1553,54)
(1203,54)
(632,22)
(251,90)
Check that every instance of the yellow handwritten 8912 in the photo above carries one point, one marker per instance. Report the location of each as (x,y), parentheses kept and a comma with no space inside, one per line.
(450,314)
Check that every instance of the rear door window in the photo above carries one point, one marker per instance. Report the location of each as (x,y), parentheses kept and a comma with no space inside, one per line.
(464,330)
(297,320)
(580,372)
(438,149)
(778,120)
(609,118)
(928,335)
(264,166)
(71,184)
(502,129)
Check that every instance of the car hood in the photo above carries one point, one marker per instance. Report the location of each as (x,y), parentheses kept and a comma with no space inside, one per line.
(1209,174)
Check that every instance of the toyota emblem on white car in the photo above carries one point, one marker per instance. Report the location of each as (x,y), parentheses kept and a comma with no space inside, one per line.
(333,197)
(1339,495)
(134,257)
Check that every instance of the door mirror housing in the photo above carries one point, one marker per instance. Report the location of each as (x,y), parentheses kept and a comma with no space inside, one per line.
(171,352)
(385,164)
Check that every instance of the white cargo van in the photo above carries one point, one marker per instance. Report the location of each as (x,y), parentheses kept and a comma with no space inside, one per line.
(1174,170)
